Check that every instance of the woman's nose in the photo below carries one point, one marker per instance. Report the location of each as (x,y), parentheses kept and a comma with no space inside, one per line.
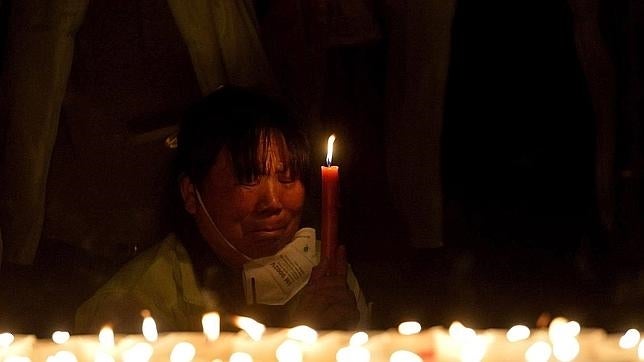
(270,198)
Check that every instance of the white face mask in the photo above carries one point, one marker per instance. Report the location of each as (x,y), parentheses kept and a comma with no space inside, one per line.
(275,279)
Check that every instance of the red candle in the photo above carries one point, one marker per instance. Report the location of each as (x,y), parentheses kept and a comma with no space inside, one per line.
(330,177)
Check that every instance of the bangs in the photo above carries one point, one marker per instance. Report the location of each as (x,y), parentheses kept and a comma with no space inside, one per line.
(266,150)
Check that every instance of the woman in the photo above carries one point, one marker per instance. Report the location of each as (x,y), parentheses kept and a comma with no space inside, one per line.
(243,165)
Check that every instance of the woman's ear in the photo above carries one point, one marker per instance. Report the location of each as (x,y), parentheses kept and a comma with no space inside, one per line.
(188,195)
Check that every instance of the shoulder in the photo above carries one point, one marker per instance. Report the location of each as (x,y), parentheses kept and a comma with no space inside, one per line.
(152,280)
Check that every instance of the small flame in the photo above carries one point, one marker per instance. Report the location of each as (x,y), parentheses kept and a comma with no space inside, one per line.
(409,328)
(240,357)
(629,339)
(254,329)
(461,333)
(329,149)
(566,349)
(211,323)
(289,351)
(359,339)
(149,327)
(538,352)
(303,334)
(60,337)
(518,333)
(62,356)
(6,339)
(183,352)
(106,337)
(405,356)
(353,354)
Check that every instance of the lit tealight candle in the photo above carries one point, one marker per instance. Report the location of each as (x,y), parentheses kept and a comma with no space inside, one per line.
(254,329)
(211,323)
(409,328)
(539,352)
(62,356)
(304,334)
(565,349)
(630,339)
(106,337)
(359,339)
(6,339)
(460,333)
(518,333)
(405,356)
(241,357)
(149,327)
(289,351)
(183,352)
(60,337)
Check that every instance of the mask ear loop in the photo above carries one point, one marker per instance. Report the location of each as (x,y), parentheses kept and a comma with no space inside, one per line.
(214,226)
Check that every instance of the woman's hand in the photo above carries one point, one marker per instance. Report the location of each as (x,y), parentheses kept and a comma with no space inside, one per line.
(326,302)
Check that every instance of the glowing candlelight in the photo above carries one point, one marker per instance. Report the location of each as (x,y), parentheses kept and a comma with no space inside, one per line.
(6,339)
(211,323)
(329,225)
(149,327)
(254,329)
(630,339)
(640,351)
(405,356)
(538,352)
(183,352)
(60,337)
(518,333)
(240,357)
(565,349)
(355,352)
(461,333)
(359,339)
(409,328)
(289,351)
(304,334)
(106,337)
(62,356)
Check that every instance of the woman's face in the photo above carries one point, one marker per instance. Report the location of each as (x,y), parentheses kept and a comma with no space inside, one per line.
(259,217)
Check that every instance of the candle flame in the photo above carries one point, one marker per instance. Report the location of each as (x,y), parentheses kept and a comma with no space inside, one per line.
(254,329)
(106,337)
(630,339)
(62,356)
(405,356)
(304,334)
(6,339)
(329,150)
(518,333)
(353,354)
(566,349)
(539,352)
(289,351)
(60,337)
(211,323)
(241,357)
(183,352)
(149,327)
(409,328)
(359,339)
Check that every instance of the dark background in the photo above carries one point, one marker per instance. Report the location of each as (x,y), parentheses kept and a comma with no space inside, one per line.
(522,231)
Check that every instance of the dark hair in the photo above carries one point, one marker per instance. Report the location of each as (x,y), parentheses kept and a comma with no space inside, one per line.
(237,119)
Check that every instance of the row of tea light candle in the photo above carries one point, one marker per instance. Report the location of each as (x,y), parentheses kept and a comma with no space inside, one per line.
(562,341)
